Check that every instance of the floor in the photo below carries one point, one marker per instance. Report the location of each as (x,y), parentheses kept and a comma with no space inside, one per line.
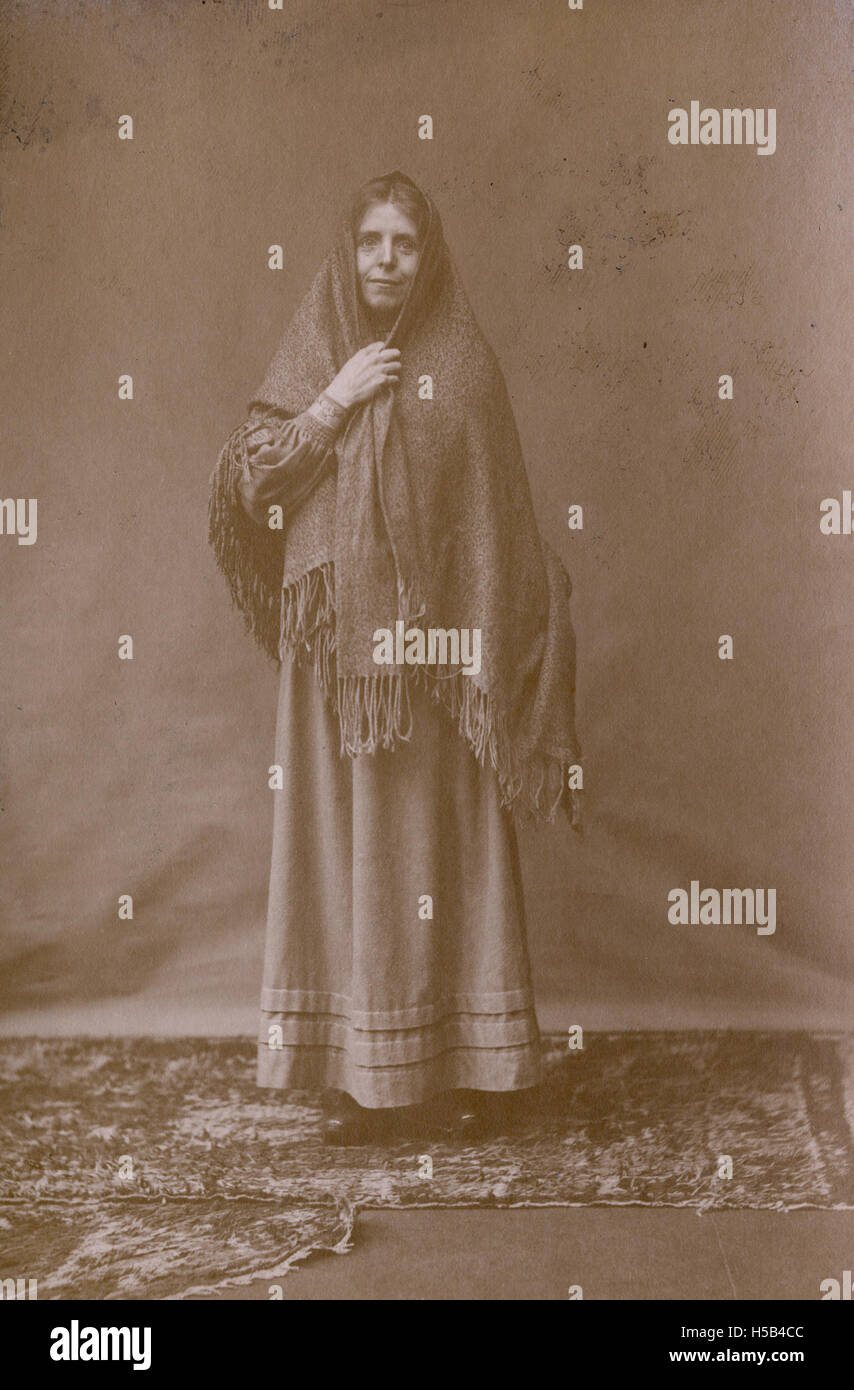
(612,1253)
(536,1253)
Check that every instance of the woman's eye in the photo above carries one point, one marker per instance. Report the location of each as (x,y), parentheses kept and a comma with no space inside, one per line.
(367,241)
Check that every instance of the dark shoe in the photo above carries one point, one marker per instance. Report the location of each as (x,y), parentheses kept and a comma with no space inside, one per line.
(468,1121)
(344,1120)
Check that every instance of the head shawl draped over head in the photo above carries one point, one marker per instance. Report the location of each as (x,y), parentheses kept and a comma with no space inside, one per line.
(428,518)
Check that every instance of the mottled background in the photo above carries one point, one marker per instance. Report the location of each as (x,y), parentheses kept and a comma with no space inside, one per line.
(701,516)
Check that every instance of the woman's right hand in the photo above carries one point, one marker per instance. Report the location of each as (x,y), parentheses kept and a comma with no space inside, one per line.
(367,372)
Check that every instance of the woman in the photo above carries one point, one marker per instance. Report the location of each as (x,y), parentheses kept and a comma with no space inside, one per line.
(378,484)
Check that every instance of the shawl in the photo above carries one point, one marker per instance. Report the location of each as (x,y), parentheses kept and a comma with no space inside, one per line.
(428,517)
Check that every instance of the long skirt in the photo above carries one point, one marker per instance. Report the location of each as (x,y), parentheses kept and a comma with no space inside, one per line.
(396,964)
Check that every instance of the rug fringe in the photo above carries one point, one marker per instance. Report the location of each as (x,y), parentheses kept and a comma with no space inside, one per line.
(346,1213)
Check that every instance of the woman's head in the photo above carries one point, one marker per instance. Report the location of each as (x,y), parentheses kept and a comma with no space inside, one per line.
(388,220)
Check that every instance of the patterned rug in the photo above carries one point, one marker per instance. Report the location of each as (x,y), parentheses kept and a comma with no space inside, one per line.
(148,1168)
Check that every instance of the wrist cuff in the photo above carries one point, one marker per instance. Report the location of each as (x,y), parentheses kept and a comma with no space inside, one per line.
(328,412)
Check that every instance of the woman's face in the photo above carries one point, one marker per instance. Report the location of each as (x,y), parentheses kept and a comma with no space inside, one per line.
(387,253)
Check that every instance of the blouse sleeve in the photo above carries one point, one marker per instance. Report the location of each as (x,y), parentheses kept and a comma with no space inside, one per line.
(299,452)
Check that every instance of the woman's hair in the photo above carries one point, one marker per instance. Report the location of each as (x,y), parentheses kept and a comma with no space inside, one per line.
(394,188)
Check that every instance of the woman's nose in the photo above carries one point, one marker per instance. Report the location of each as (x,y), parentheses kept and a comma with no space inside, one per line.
(387,253)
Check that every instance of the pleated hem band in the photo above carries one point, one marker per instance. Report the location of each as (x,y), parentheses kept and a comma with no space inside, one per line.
(399,1066)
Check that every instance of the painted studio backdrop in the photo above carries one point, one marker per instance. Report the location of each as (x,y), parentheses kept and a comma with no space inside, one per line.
(701,514)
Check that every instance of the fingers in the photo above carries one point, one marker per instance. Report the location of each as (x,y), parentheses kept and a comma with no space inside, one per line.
(386,354)
(377,367)
(376,384)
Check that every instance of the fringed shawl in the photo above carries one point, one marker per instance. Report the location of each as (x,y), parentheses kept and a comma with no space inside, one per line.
(428,519)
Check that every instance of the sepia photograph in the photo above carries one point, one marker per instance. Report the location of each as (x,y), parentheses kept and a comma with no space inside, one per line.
(427,723)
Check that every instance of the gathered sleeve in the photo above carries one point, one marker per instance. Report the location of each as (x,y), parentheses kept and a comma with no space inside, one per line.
(286,457)
(270,459)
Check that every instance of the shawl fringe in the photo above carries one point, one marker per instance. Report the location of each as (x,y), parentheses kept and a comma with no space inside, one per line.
(251,557)
(307,627)
(375,711)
